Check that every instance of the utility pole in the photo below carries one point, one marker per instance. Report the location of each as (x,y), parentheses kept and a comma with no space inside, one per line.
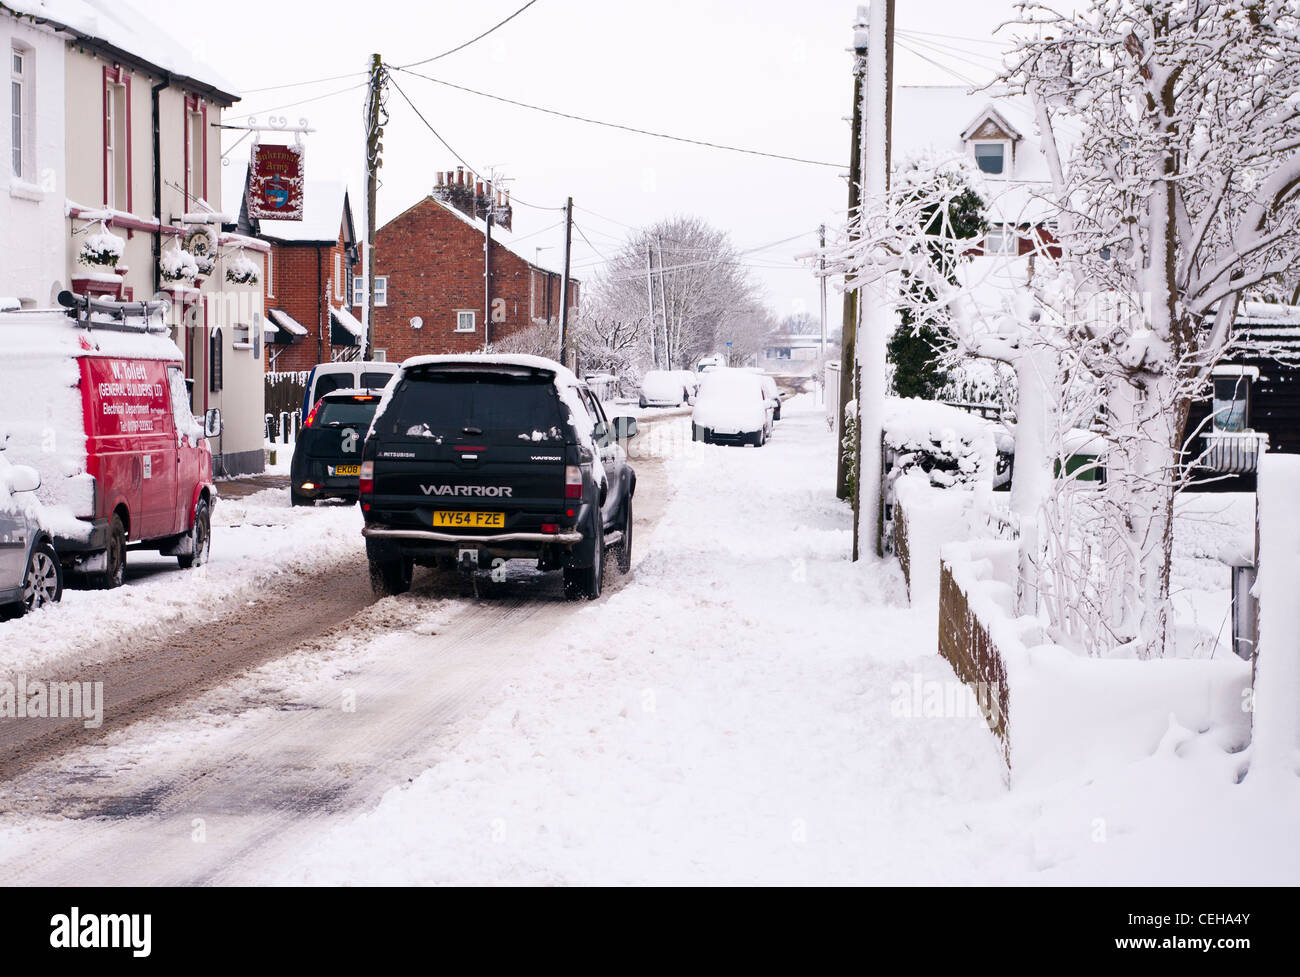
(821,277)
(375,119)
(487,271)
(877,308)
(650,294)
(663,306)
(849,324)
(565,359)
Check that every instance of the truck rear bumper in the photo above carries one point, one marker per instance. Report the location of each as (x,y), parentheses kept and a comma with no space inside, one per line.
(570,538)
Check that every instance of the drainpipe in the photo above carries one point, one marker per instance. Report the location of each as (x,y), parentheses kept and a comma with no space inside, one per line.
(157,184)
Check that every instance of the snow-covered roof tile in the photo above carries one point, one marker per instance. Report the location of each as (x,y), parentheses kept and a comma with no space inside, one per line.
(117,24)
(286,322)
(348,321)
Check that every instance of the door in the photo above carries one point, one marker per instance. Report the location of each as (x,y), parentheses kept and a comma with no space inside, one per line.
(612,457)
(13,545)
(159,458)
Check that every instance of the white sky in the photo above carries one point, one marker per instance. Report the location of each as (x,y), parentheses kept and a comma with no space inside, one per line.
(764,74)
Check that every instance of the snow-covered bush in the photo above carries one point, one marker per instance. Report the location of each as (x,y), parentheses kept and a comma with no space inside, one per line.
(241,270)
(178,265)
(953,448)
(102,248)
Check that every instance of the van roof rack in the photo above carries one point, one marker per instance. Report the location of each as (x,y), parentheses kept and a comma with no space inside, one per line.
(109,314)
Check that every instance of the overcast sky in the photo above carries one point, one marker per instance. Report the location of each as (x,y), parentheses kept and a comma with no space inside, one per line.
(772,75)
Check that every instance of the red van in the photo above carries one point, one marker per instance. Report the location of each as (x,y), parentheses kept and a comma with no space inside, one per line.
(103,413)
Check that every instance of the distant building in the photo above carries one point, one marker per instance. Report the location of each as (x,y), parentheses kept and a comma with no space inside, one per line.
(431,292)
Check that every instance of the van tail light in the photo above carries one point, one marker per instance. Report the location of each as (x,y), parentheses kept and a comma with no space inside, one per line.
(311,417)
(367,482)
(572,482)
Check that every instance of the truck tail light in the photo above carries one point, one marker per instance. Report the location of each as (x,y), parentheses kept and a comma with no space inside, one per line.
(367,482)
(572,482)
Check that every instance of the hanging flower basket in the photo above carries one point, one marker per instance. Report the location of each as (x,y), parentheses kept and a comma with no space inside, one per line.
(101,249)
(241,270)
(203,248)
(178,265)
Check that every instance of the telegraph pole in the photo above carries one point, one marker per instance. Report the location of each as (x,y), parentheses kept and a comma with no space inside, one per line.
(849,327)
(375,118)
(650,294)
(876,306)
(663,307)
(565,359)
(487,270)
(821,277)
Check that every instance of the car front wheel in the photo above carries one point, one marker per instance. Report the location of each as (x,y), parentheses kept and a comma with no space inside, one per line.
(43,581)
(624,550)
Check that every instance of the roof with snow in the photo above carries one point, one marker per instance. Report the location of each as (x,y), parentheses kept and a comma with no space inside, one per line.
(500,236)
(326,208)
(348,321)
(282,320)
(119,30)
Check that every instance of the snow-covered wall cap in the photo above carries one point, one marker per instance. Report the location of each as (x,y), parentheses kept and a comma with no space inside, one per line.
(563,375)
(1232,370)
(119,27)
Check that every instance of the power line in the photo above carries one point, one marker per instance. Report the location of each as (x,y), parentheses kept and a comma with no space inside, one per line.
(414,64)
(942,67)
(954,37)
(438,136)
(305,101)
(941,50)
(461,47)
(625,128)
(583,235)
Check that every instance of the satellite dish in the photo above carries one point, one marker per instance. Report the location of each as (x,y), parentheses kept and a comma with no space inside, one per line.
(416,322)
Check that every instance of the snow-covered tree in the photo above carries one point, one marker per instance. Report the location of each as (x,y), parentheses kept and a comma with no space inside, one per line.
(1172,131)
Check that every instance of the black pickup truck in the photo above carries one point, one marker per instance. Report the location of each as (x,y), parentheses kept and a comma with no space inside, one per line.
(476,457)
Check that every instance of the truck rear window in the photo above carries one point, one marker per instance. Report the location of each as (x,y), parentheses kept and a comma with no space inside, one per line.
(495,408)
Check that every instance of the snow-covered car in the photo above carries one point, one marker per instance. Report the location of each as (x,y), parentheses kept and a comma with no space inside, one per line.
(473,459)
(30,574)
(707,363)
(664,388)
(732,407)
(773,394)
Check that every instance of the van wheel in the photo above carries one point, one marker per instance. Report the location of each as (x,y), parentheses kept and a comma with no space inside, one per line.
(115,557)
(388,578)
(586,581)
(201,535)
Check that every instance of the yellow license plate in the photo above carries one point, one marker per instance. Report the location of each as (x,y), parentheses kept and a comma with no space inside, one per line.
(470,520)
(347,470)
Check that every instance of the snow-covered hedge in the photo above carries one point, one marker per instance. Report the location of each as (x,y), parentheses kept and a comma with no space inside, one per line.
(953,448)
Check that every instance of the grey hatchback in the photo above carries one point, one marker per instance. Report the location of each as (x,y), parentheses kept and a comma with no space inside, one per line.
(30,574)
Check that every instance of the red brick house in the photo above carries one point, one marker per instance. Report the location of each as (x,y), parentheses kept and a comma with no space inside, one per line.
(313,305)
(429,275)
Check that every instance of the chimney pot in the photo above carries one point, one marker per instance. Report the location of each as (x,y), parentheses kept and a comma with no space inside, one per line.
(460,176)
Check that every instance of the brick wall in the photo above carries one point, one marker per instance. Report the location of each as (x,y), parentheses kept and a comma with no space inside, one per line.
(301,276)
(433,261)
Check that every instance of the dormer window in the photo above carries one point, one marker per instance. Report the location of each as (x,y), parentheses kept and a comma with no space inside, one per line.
(991,157)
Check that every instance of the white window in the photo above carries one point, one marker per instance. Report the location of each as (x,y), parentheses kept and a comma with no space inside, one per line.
(1001,239)
(194,156)
(241,336)
(270,274)
(991,157)
(465,320)
(358,291)
(379,355)
(338,277)
(381,290)
(18,109)
(116,149)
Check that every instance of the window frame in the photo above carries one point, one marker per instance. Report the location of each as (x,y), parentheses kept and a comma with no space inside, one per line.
(473,318)
(358,291)
(1241,384)
(338,277)
(196,150)
(1008,235)
(1000,145)
(117,151)
(381,291)
(20,111)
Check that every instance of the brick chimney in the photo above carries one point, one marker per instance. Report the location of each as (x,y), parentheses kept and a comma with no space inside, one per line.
(473,198)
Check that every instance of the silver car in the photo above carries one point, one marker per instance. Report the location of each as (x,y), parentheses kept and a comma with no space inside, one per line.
(30,574)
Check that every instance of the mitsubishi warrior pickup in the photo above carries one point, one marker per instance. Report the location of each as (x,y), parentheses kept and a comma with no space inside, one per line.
(475,458)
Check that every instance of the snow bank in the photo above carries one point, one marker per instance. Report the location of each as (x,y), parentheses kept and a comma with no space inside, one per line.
(950,445)
(1070,716)
(1276,735)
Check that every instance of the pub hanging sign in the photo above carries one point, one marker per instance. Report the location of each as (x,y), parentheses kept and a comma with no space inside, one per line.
(275,182)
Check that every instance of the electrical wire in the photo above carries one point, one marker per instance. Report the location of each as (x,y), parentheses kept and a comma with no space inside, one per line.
(461,47)
(625,128)
(942,67)
(447,145)
(305,101)
(300,84)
